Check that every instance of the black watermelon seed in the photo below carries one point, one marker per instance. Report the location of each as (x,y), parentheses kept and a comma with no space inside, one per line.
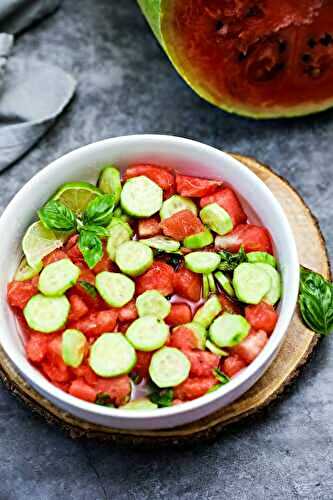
(326,40)
(306,58)
(219,25)
(312,43)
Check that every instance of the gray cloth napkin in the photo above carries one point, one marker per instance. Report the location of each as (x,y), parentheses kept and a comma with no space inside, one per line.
(32,93)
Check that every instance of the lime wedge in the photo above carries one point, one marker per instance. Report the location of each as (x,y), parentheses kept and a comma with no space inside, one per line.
(76,195)
(26,272)
(39,242)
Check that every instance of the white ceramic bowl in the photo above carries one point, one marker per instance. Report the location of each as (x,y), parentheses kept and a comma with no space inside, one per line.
(188,157)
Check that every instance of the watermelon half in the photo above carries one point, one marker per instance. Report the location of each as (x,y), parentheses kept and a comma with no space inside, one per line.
(259,58)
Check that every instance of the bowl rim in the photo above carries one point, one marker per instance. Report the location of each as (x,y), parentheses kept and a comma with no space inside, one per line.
(260,363)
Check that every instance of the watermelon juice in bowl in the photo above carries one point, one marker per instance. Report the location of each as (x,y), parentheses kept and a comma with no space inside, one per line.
(158,281)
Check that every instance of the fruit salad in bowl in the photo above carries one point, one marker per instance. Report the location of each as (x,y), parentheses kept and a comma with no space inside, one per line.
(147,290)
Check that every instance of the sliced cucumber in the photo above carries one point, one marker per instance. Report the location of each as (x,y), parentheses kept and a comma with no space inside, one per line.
(162,243)
(199,240)
(251,283)
(112,355)
(211,283)
(73,347)
(225,283)
(115,288)
(140,404)
(175,204)
(208,311)
(216,218)
(153,303)
(214,349)
(46,314)
(119,214)
(141,197)
(169,367)
(229,330)
(119,232)
(58,277)
(147,333)
(274,293)
(199,331)
(263,257)
(134,258)
(109,182)
(202,262)
(205,286)
(25,272)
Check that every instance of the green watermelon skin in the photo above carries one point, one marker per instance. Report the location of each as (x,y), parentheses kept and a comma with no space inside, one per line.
(155,12)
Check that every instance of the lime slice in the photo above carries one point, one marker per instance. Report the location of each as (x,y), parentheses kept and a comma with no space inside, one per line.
(39,242)
(76,195)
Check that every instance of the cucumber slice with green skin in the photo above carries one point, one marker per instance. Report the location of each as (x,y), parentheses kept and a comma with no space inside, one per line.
(162,243)
(109,182)
(216,218)
(225,283)
(141,197)
(264,257)
(199,240)
(25,272)
(274,293)
(140,404)
(115,288)
(202,262)
(211,283)
(199,331)
(119,214)
(175,204)
(153,303)
(119,232)
(47,314)
(112,355)
(208,311)
(205,286)
(251,283)
(229,330)
(73,347)
(147,333)
(169,367)
(58,277)
(215,350)
(134,258)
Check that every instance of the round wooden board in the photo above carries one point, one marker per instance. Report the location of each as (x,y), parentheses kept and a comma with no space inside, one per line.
(294,353)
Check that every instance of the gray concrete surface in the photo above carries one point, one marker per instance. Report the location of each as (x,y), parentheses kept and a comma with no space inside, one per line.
(126,85)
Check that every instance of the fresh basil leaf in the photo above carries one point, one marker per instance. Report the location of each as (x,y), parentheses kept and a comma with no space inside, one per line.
(162,397)
(101,231)
(91,247)
(220,376)
(56,216)
(316,301)
(103,399)
(229,261)
(100,210)
(88,287)
(174,259)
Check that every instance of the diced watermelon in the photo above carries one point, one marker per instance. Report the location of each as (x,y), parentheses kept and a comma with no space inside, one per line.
(118,388)
(158,277)
(182,224)
(54,257)
(20,292)
(179,314)
(194,387)
(187,284)
(262,316)
(128,312)
(163,176)
(36,347)
(228,200)
(97,323)
(149,227)
(229,305)
(252,238)
(195,186)
(232,365)
(142,363)
(183,338)
(80,389)
(251,346)
(78,307)
(202,363)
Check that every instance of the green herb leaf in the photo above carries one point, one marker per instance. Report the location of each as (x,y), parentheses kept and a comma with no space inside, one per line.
(56,216)
(220,376)
(316,301)
(162,397)
(91,247)
(103,399)
(229,261)
(100,231)
(88,287)
(100,210)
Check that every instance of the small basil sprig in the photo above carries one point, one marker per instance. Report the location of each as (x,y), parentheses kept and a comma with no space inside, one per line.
(316,301)
(229,261)
(57,217)
(88,287)
(161,397)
